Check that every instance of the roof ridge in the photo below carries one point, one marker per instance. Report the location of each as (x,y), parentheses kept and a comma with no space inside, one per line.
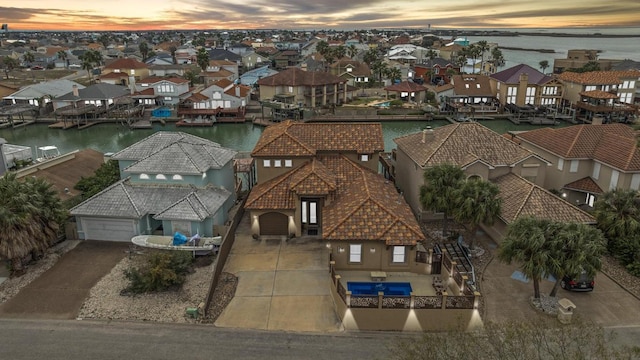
(133,203)
(181,145)
(433,153)
(270,184)
(526,198)
(575,140)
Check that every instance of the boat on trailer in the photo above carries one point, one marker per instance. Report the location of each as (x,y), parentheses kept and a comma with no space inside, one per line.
(198,245)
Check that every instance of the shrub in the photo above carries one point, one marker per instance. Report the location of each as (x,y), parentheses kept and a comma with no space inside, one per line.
(160,271)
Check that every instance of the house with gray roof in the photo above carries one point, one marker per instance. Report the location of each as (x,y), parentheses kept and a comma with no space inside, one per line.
(170,182)
(523,85)
(32,94)
(99,95)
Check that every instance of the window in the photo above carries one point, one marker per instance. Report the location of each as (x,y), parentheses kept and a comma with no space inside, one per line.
(590,88)
(304,212)
(165,88)
(635,182)
(512,92)
(177,177)
(355,253)
(625,97)
(590,200)
(277,163)
(398,254)
(550,90)
(614,179)
(266,163)
(144,177)
(596,171)
(574,166)
(161,177)
(530,97)
(364,157)
(288,163)
(560,164)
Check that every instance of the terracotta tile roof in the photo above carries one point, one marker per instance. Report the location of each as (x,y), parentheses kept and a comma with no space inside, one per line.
(612,144)
(220,73)
(197,97)
(145,92)
(358,68)
(290,138)
(522,198)
(599,77)
(407,86)
(598,94)
(298,77)
(368,207)
(223,83)
(472,85)
(114,75)
(221,62)
(244,90)
(461,144)
(586,184)
(314,179)
(126,63)
(512,75)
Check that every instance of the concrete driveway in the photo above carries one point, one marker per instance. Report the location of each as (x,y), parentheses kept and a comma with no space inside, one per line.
(282,285)
(60,291)
(507,298)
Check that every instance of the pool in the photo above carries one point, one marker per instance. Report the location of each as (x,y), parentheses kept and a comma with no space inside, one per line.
(372,288)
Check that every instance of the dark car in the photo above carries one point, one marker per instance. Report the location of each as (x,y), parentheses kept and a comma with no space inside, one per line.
(581,282)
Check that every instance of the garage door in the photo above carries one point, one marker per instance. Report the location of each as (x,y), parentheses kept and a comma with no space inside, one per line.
(109,229)
(274,223)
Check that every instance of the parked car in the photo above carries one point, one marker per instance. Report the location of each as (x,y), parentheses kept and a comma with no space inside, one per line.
(581,282)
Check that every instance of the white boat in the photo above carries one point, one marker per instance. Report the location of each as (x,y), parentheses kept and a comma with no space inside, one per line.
(199,246)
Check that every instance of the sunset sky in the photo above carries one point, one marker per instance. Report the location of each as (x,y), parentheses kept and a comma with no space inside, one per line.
(310,14)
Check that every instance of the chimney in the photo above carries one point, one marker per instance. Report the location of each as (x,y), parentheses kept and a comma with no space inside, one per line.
(237,91)
(427,134)
(132,84)
(524,78)
(75,91)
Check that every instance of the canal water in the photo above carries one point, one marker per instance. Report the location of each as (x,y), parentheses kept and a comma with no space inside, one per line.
(241,137)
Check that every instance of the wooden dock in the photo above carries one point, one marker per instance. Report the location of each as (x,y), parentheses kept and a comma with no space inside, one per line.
(63,125)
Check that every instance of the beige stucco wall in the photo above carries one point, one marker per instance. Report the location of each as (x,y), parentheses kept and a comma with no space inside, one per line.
(254,218)
(266,173)
(409,179)
(572,92)
(375,256)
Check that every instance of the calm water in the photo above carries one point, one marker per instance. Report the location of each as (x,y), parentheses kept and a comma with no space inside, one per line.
(241,137)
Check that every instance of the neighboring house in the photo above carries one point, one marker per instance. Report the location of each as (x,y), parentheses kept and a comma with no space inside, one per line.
(471,92)
(160,59)
(155,90)
(577,58)
(355,72)
(170,70)
(186,55)
(523,85)
(220,96)
(309,88)
(6,90)
(97,97)
(252,60)
(222,54)
(119,72)
(481,153)
(437,71)
(47,91)
(407,91)
(285,59)
(170,182)
(218,70)
(240,49)
(251,77)
(587,160)
(320,180)
(600,93)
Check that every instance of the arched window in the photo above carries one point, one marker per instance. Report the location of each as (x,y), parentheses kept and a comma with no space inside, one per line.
(161,177)
(144,177)
(177,177)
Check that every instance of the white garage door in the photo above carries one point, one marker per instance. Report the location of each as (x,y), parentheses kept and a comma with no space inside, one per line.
(109,229)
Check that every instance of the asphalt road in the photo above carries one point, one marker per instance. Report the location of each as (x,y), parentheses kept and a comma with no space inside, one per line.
(55,339)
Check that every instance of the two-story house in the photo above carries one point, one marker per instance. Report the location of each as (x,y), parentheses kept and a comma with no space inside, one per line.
(218,70)
(119,72)
(221,99)
(586,160)
(435,71)
(170,181)
(356,73)
(523,85)
(155,90)
(471,92)
(307,88)
(320,180)
(481,153)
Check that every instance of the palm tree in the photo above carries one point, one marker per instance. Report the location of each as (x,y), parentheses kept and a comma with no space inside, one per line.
(393,73)
(496,57)
(479,204)
(370,57)
(617,213)
(473,52)
(202,58)
(28,57)
(30,215)
(322,47)
(340,52)
(144,50)
(482,47)
(543,65)
(441,189)
(173,50)
(526,244)
(62,55)
(431,54)
(379,68)
(352,51)
(9,65)
(575,248)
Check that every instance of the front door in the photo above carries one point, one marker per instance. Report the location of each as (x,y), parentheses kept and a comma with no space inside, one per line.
(310,216)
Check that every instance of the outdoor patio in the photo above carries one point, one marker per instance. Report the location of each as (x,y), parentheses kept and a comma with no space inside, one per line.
(421,285)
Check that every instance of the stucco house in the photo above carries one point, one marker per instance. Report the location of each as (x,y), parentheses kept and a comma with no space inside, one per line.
(45,91)
(155,90)
(170,181)
(308,88)
(355,72)
(586,160)
(320,180)
(523,85)
(481,152)
(119,72)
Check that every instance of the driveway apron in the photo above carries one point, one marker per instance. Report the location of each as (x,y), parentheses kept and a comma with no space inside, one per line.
(60,291)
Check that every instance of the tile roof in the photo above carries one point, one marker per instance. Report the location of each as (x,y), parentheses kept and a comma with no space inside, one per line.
(298,77)
(358,67)
(599,77)
(512,75)
(290,138)
(126,200)
(461,144)
(114,75)
(157,79)
(183,158)
(126,63)
(598,94)
(471,85)
(156,141)
(244,90)
(100,91)
(586,184)
(522,198)
(611,144)
(366,206)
